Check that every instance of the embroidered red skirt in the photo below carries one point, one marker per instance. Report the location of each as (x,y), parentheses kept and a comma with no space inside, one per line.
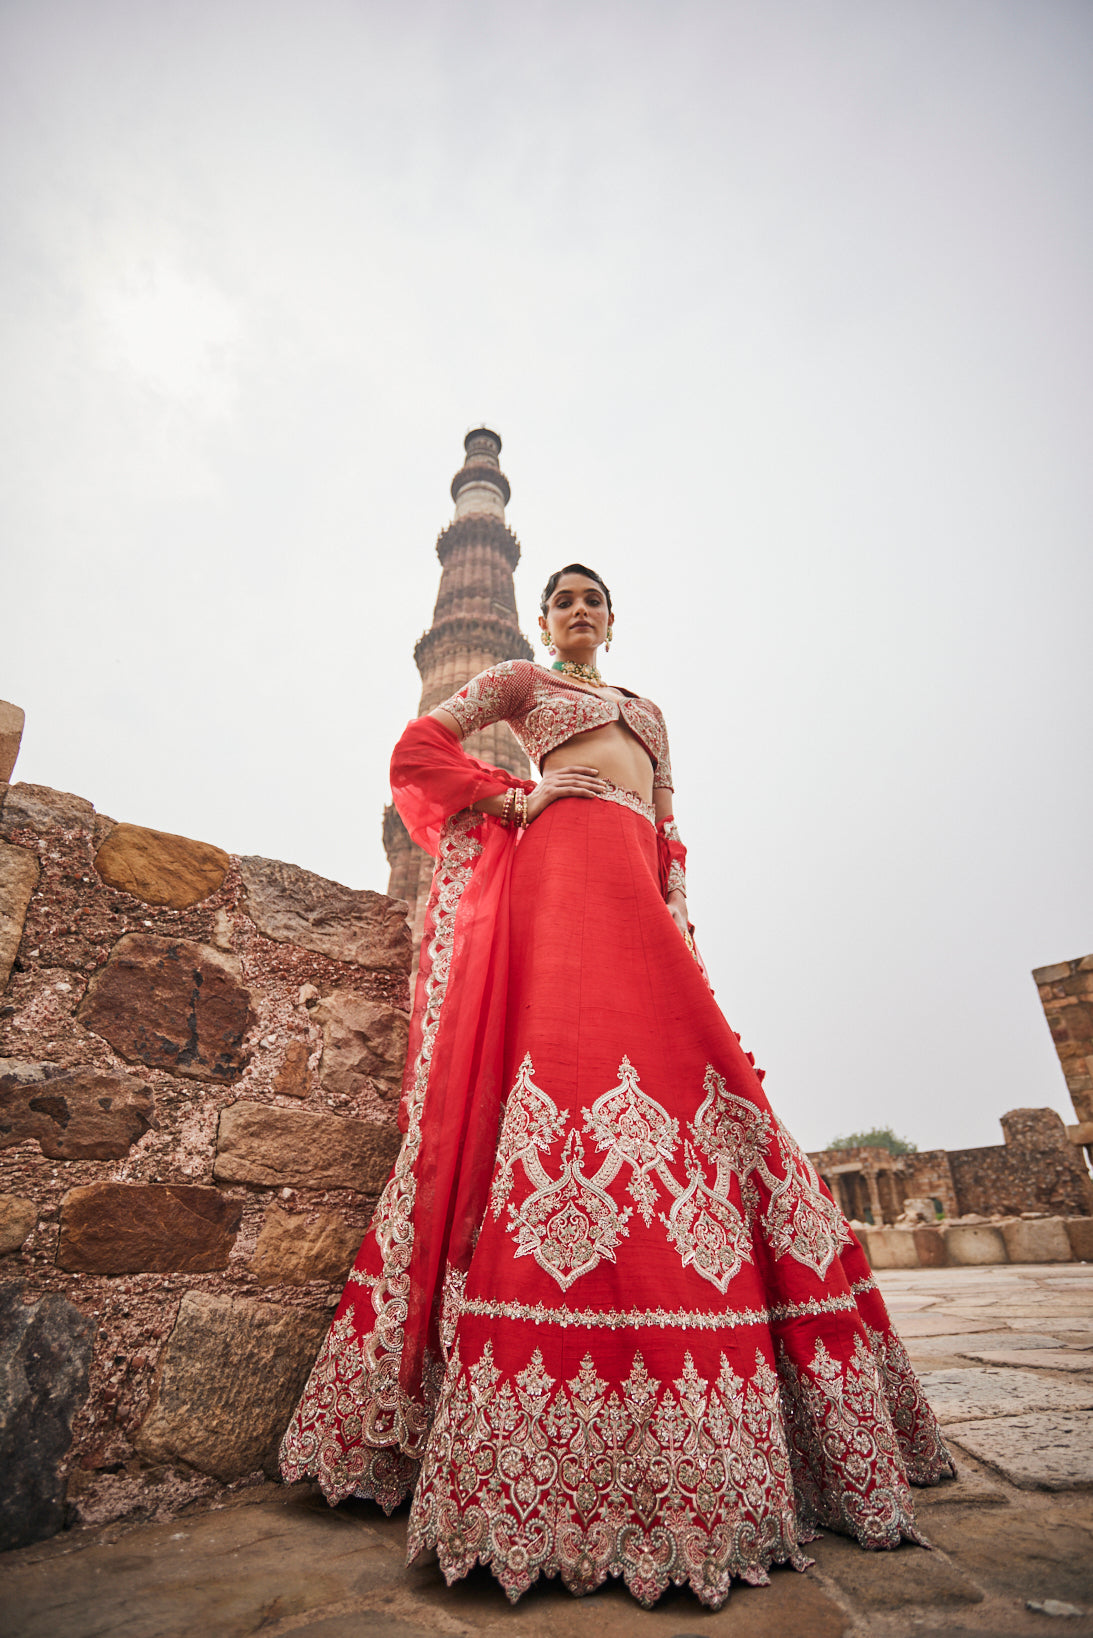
(658,1351)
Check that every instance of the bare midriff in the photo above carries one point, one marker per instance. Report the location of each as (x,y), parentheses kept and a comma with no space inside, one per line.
(615,753)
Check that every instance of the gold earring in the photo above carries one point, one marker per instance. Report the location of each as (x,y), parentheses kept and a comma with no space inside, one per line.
(544,638)
(607,639)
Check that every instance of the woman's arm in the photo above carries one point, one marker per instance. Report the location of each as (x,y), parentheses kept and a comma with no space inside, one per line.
(575,781)
(673,857)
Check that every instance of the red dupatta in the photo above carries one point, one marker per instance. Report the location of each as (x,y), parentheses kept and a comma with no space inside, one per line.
(452,1089)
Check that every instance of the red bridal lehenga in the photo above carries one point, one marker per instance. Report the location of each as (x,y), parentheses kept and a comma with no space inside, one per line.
(607,1320)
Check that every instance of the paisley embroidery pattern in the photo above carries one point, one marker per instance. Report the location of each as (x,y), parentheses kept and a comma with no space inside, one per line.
(684,1482)
(570,1222)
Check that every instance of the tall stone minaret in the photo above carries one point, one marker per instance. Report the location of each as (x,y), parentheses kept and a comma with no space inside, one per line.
(474,626)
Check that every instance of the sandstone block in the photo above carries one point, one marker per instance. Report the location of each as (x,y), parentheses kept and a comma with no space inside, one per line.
(160,868)
(173,1004)
(1080,1234)
(1042,1450)
(1052,974)
(45,1358)
(18,1217)
(974,1243)
(294,1249)
(892,1248)
(146,1228)
(291,1079)
(363,1041)
(297,907)
(12,718)
(977,1391)
(1043,1240)
(930,1246)
(258,1143)
(72,1114)
(39,807)
(227,1381)
(18,879)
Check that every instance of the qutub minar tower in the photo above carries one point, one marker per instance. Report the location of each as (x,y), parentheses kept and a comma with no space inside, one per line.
(474,626)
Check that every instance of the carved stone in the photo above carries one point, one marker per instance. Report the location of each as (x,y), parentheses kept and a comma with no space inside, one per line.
(172,1004)
(72,1114)
(18,879)
(12,718)
(160,868)
(293,1249)
(147,1228)
(295,906)
(226,1384)
(41,808)
(363,1042)
(18,1216)
(259,1143)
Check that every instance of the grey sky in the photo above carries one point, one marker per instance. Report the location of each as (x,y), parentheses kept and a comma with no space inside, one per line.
(782,312)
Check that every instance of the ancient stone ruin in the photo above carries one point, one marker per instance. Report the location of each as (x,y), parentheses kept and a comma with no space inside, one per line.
(200,1063)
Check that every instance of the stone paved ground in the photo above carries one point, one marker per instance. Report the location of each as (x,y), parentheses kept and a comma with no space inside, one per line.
(1007,1357)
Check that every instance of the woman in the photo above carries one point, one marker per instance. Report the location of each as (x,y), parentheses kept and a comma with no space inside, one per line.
(607,1320)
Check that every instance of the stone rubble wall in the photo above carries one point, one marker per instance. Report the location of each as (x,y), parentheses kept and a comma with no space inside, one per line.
(200,1065)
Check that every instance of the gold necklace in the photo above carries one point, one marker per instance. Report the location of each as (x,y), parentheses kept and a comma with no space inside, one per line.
(573,668)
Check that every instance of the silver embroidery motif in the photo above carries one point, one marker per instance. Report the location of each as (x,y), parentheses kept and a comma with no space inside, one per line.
(662,1319)
(570,1223)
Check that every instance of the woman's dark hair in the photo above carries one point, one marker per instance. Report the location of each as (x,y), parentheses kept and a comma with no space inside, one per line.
(572,568)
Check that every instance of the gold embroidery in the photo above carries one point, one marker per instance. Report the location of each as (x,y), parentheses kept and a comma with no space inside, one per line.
(628,799)
(544,710)
(659,1482)
(847,1470)
(354,1388)
(663,1319)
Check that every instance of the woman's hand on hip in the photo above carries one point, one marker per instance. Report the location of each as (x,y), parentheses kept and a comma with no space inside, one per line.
(558,782)
(677,904)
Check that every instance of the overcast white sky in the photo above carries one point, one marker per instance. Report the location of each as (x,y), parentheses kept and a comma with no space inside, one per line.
(782,310)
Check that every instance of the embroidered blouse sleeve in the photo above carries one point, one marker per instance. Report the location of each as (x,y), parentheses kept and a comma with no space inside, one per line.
(662,768)
(496,695)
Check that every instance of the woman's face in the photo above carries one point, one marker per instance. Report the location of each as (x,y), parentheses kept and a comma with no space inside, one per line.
(577,617)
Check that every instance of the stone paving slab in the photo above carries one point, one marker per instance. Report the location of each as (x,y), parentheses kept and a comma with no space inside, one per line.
(1046,1450)
(989,1390)
(1049,1359)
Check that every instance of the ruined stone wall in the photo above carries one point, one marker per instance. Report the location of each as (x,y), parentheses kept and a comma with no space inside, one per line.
(200,1062)
(1066,992)
(1038,1168)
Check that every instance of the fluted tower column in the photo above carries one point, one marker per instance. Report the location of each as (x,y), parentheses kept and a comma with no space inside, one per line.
(474,626)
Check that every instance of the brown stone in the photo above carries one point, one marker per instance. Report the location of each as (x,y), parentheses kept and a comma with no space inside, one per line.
(363,1042)
(12,718)
(172,1004)
(160,868)
(1080,1232)
(18,879)
(40,807)
(18,1217)
(295,906)
(147,1228)
(259,1143)
(911,1577)
(72,1114)
(930,1245)
(227,1381)
(292,1250)
(291,1079)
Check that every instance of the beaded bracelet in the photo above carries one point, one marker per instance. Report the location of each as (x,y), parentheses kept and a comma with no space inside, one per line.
(506,811)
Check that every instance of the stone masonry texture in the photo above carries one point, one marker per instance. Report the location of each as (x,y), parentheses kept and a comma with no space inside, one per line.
(1066,994)
(134,1016)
